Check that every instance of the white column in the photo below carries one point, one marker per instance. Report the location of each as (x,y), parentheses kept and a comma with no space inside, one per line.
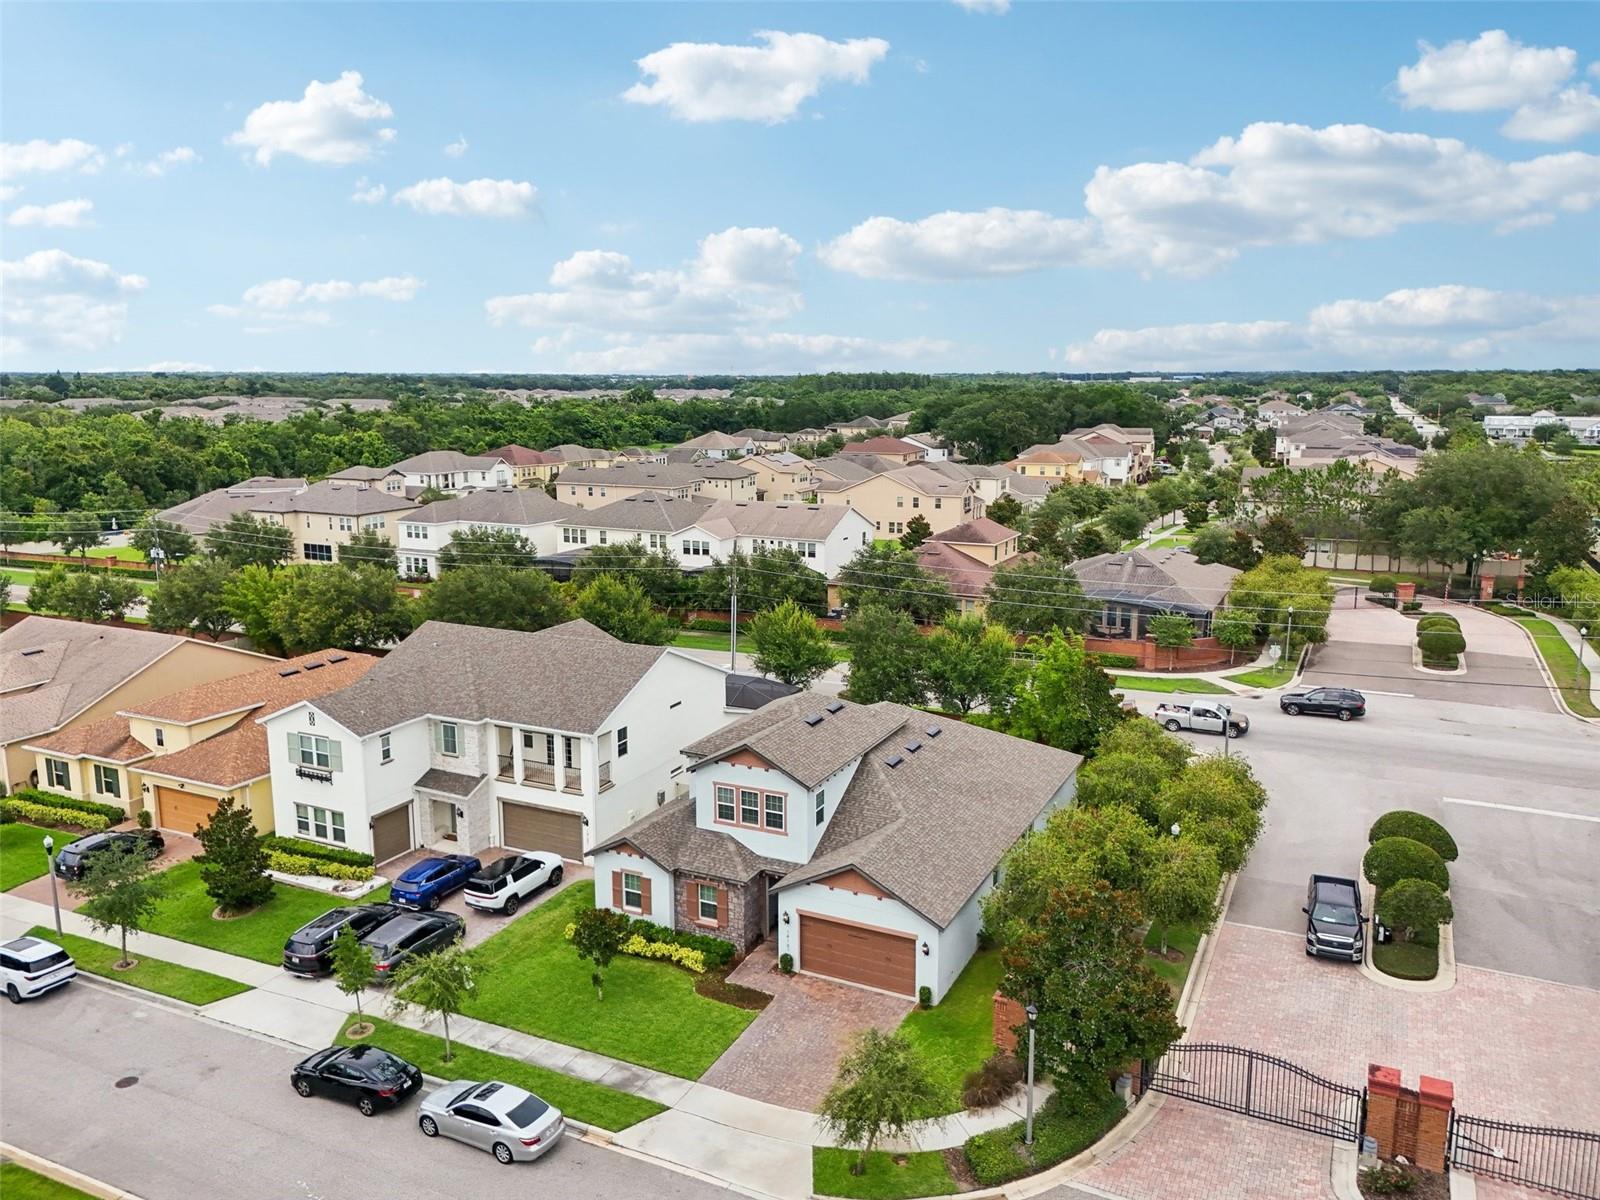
(589,766)
(560,756)
(516,754)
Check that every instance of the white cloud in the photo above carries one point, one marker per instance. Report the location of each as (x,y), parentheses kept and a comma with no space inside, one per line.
(368,193)
(286,293)
(63,214)
(739,276)
(334,123)
(40,157)
(1492,71)
(699,81)
(179,367)
(1572,113)
(986,6)
(178,156)
(1275,184)
(458,147)
(53,300)
(747,353)
(7,192)
(1406,328)
(961,245)
(474,198)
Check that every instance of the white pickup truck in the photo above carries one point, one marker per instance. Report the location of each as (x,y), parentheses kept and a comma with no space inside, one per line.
(1202,716)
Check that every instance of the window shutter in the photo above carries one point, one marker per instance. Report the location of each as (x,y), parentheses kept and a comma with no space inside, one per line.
(616,889)
(722,907)
(294,747)
(438,736)
(335,756)
(644,894)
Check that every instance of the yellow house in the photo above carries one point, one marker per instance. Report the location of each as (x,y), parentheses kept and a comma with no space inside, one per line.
(180,754)
(328,514)
(1048,462)
(781,477)
(724,480)
(59,677)
(892,498)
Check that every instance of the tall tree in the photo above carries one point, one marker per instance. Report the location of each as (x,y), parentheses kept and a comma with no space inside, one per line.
(174,542)
(494,595)
(486,545)
(193,599)
(233,866)
(243,540)
(1279,536)
(885,656)
(123,891)
(354,609)
(657,573)
(790,646)
(967,662)
(767,577)
(882,1087)
(1172,632)
(917,531)
(438,985)
(250,595)
(84,595)
(621,608)
(76,533)
(1007,510)
(369,547)
(1036,596)
(888,576)
(1181,885)
(1066,701)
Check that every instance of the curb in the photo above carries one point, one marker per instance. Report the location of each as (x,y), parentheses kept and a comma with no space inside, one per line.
(1544,669)
(1443,981)
(54,1170)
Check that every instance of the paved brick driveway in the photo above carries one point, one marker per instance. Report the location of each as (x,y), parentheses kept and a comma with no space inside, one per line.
(481,925)
(790,1053)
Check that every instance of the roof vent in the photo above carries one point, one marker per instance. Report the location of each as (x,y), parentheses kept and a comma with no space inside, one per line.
(814,720)
(933,731)
(316,666)
(289,672)
(31,653)
(894,762)
(913,747)
(836,706)
(333,658)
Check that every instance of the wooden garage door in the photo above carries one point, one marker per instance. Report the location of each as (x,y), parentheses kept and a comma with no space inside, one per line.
(391,834)
(527,827)
(875,957)
(184,811)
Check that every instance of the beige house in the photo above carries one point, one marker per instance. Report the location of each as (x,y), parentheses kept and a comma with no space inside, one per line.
(892,498)
(385,479)
(725,480)
(328,514)
(529,468)
(592,487)
(785,477)
(1049,461)
(765,440)
(59,677)
(967,557)
(180,754)
(893,449)
(1141,444)
(718,445)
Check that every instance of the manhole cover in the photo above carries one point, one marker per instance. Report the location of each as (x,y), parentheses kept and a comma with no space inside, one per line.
(127,1081)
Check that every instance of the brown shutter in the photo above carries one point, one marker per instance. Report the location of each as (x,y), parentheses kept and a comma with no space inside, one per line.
(616,889)
(722,907)
(644,894)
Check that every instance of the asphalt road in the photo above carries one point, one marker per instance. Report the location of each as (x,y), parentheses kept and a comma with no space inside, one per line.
(210,1113)
(1526,887)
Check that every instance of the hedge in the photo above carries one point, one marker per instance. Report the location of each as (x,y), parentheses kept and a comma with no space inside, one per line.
(305,849)
(298,864)
(718,953)
(1404,823)
(1391,859)
(998,1156)
(1441,645)
(1384,585)
(113,813)
(1416,907)
(639,946)
(1117,660)
(1438,621)
(46,814)
(706,625)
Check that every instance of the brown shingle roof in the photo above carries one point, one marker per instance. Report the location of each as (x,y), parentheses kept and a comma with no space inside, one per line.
(272,687)
(669,836)
(1171,580)
(108,739)
(881,445)
(982,532)
(331,496)
(808,753)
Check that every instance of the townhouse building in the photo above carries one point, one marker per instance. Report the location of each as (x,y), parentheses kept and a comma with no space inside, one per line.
(527,512)
(453,471)
(785,477)
(595,487)
(328,514)
(889,499)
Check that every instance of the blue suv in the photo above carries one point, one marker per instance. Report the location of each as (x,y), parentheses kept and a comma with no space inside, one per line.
(431,880)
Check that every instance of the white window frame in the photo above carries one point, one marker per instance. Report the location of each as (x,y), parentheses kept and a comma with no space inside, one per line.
(314,750)
(700,903)
(636,890)
(321,824)
(450,739)
(732,803)
(385,748)
(622,741)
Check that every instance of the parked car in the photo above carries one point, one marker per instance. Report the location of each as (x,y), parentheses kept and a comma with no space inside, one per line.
(407,935)
(1343,703)
(432,879)
(513,1125)
(309,949)
(370,1078)
(31,966)
(73,859)
(1202,716)
(504,884)
(1335,926)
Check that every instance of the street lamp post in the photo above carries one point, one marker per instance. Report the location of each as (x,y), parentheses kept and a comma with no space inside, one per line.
(1288,633)
(50,862)
(1033,1017)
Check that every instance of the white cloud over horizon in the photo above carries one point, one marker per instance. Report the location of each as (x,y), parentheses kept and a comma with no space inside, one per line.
(53,300)
(41,157)
(178,156)
(279,304)
(63,214)
(1495,71)
(701,81)
(334,123)
(473,198)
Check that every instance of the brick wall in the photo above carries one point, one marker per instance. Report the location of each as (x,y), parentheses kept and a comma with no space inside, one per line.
(1204,653)
(1008,1018)
(1412,1123)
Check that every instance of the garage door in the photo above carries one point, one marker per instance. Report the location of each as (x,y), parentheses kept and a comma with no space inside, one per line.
(391,834)
(184,811)
(528,827)
(876,957)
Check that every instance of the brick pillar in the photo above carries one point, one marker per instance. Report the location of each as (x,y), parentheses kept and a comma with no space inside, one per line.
(1435,1099)
(1404,592)
(1008,1015)
(1486,587)
(1383,1099)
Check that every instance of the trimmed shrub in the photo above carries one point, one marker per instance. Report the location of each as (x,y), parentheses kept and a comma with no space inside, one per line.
(1391,859)
(693,951)
(1064,1127)
(689,960)
(299,864)
(925,996)
(1411,606)
(114,814)
(1386,1179)
(46,814)
(1438,621)
(991,1083)
(1402,822)
(706,625)
(1417,908)
(304,849)
(1116,660)
(1386,601)
(1441,645)
(786,963)
(145,818)
(1384,585)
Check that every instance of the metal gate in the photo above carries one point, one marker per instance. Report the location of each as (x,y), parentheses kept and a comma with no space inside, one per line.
(1258,1085)
(1564,1161)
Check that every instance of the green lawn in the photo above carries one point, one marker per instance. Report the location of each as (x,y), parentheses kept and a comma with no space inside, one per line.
(886,1178)
(699,639)
(152,974)
(1183,938)
(1406,960)
(120,553)
(19,1183)
(1164,683)
(185,914)
(956,1035)
(1265,677)
(579,1099)
(22,852)
(1571,676)
(531,979)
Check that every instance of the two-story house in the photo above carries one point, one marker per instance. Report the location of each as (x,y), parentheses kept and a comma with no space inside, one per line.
(595,487)
(470,737)
(861,839)
(328,514)
(385,479)
(779,476)
(453,471)
(896,450)
(718,445)
(526,512)
(892,498)
(724,479)
(967,556)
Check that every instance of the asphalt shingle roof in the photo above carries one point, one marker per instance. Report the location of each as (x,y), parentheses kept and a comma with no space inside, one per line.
(496,506)
(346,499)
(646,512)
(1172,579)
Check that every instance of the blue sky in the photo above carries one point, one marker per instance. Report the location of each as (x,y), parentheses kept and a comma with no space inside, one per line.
(929,186)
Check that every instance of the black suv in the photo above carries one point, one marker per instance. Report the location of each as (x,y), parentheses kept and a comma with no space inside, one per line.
(309,949)
(409,934)
(73,859)
(1343,703)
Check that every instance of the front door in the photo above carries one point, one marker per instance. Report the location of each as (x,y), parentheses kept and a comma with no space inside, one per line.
(444,819)
(772,910)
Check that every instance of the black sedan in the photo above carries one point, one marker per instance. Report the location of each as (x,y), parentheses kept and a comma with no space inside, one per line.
(1343,703)
(409,934)
(73,859)
(370,1078)
(309,950)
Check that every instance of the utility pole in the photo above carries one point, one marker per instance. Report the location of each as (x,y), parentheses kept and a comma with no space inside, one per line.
(733,609)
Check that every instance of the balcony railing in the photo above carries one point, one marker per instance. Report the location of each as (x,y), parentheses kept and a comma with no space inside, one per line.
(541,774)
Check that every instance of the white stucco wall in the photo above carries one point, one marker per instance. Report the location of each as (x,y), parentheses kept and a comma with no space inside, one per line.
(347,793)
(792,845)
(823,901)
(609,862)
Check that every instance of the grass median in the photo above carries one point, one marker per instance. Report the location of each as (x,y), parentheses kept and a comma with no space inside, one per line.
(1158,683)
(1571,676)
(887,1176)
(19,1183)
(152,974)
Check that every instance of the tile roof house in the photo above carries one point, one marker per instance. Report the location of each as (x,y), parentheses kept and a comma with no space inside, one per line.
(453,471)
(328,513)
(861,839)
(58,677)
(967,555)
(527,512)
(180,754)
(468,737)
(891,498)
(1128,587)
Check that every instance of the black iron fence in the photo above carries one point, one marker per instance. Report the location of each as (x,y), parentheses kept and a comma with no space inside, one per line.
(1563,1161)
(1246,1081)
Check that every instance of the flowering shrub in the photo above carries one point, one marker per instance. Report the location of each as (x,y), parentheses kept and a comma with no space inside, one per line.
(638,946)
(297,864)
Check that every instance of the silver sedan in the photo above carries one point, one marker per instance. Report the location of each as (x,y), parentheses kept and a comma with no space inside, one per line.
(512,1124)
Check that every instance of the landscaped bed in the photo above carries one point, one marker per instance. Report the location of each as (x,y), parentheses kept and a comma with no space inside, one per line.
(887,1177)
(1182,940)
(1571,676)
(151,974)
(1061,1129)
(590,1103)
(530,978)
(22,852)
(1406,960)
(186,914)
(955,1036)
(1157,683)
